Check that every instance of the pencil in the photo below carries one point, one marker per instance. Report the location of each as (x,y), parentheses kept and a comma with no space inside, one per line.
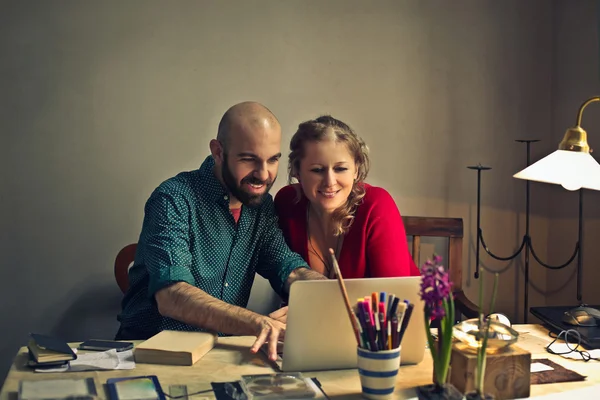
(336,267)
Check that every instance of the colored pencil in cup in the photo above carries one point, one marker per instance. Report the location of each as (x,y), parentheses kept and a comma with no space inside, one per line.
(340,280)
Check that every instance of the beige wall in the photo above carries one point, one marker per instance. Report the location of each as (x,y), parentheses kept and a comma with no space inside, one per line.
(576,78)
(101,101)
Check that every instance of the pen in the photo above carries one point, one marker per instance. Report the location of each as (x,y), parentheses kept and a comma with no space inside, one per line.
(377,330)
(405,321)
(370,325)
(398,318)
(394,332)
(382,327)
(389,305)
(394,307)
(363,323)
(360,331)
(374,301)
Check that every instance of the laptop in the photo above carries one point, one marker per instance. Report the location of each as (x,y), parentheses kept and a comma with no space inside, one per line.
(319,334)
(552,317)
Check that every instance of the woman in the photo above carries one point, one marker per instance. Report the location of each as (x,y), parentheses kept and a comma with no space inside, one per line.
(332,207)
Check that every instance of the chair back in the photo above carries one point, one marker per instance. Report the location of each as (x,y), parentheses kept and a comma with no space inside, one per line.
(124,259)
(452,230)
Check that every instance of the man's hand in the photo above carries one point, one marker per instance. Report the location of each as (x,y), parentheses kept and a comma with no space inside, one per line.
(271,331)
(280,315)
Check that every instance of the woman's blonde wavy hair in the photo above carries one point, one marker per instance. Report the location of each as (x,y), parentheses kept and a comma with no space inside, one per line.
(328,128)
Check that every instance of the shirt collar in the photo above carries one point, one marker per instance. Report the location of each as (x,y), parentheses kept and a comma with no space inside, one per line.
(212,188)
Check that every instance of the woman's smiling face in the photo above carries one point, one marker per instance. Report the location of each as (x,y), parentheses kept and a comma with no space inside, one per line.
(327,173)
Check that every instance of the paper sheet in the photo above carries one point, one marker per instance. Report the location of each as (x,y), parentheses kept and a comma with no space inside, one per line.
(590,392)
(539,367)
(104,360)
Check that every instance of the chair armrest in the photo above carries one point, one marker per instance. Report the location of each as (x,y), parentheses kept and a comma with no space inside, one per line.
(465,306)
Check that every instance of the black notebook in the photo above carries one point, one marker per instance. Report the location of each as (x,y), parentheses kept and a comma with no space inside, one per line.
(47,349)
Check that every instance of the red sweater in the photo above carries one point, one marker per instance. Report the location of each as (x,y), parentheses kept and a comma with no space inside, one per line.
(374,247)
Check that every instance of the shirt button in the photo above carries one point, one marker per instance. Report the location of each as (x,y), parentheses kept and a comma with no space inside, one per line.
(225,197)
(226,284)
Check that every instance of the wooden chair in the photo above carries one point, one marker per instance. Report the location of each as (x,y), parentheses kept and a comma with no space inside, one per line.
(122,263)
(452,229)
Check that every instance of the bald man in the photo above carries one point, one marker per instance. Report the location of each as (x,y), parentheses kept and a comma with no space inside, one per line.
(207,232)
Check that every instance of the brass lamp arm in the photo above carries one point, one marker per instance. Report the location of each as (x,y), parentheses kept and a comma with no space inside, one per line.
(584,105)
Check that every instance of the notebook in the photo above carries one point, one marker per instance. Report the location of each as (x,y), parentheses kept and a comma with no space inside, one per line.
(319,334)
(49,350)
(175,348)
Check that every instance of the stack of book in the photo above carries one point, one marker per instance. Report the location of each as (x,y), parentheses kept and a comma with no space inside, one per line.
(48,351)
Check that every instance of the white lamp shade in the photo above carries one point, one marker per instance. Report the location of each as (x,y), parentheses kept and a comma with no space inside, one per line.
(573,170)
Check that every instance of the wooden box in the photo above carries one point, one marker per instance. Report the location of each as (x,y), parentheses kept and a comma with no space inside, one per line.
(507,373)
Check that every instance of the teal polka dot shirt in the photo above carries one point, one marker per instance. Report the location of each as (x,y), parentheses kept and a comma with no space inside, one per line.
(189,235)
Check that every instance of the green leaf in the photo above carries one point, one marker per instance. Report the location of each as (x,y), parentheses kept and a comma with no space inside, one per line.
(431,344)
(446,326)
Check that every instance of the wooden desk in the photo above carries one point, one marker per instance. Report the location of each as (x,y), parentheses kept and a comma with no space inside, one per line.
(230,359)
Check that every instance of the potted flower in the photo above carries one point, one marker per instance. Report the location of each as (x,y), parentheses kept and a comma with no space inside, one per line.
(436,293)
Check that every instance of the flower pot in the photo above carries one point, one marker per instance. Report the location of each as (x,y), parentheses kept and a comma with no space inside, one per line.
(438,392)
(478,396)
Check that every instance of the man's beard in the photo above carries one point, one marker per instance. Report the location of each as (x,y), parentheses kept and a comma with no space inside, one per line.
(237,190)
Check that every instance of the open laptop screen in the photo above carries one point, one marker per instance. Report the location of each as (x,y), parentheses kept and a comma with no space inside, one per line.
(319,334)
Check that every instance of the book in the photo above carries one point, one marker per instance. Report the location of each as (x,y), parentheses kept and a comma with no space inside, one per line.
(175,348)
(47,349)
(57,389)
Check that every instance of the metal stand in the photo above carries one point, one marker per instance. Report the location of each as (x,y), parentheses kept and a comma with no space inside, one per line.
(526,243)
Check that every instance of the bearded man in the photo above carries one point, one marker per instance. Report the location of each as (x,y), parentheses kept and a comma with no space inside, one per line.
(205,235)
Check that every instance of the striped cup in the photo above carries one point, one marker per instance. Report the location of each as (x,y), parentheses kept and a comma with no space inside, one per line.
(378,371)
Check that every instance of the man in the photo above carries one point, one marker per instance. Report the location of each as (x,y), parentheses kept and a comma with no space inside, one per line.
(206,233)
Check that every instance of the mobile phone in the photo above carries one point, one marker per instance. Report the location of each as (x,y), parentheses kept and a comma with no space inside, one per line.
(135,387)
(103,345)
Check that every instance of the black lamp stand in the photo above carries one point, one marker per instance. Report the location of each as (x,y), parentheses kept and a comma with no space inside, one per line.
(526,242)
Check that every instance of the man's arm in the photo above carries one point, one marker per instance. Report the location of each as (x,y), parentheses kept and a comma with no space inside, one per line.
(193,306)
(171,283)
(302,274)
(277,263)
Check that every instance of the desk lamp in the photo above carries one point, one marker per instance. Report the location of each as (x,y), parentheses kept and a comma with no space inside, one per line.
(572,167)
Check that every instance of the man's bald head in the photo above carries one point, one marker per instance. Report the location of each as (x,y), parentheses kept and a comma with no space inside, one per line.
(245,119)
(247,152)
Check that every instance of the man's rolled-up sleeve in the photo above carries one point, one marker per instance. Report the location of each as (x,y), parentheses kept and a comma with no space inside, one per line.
(166,240)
